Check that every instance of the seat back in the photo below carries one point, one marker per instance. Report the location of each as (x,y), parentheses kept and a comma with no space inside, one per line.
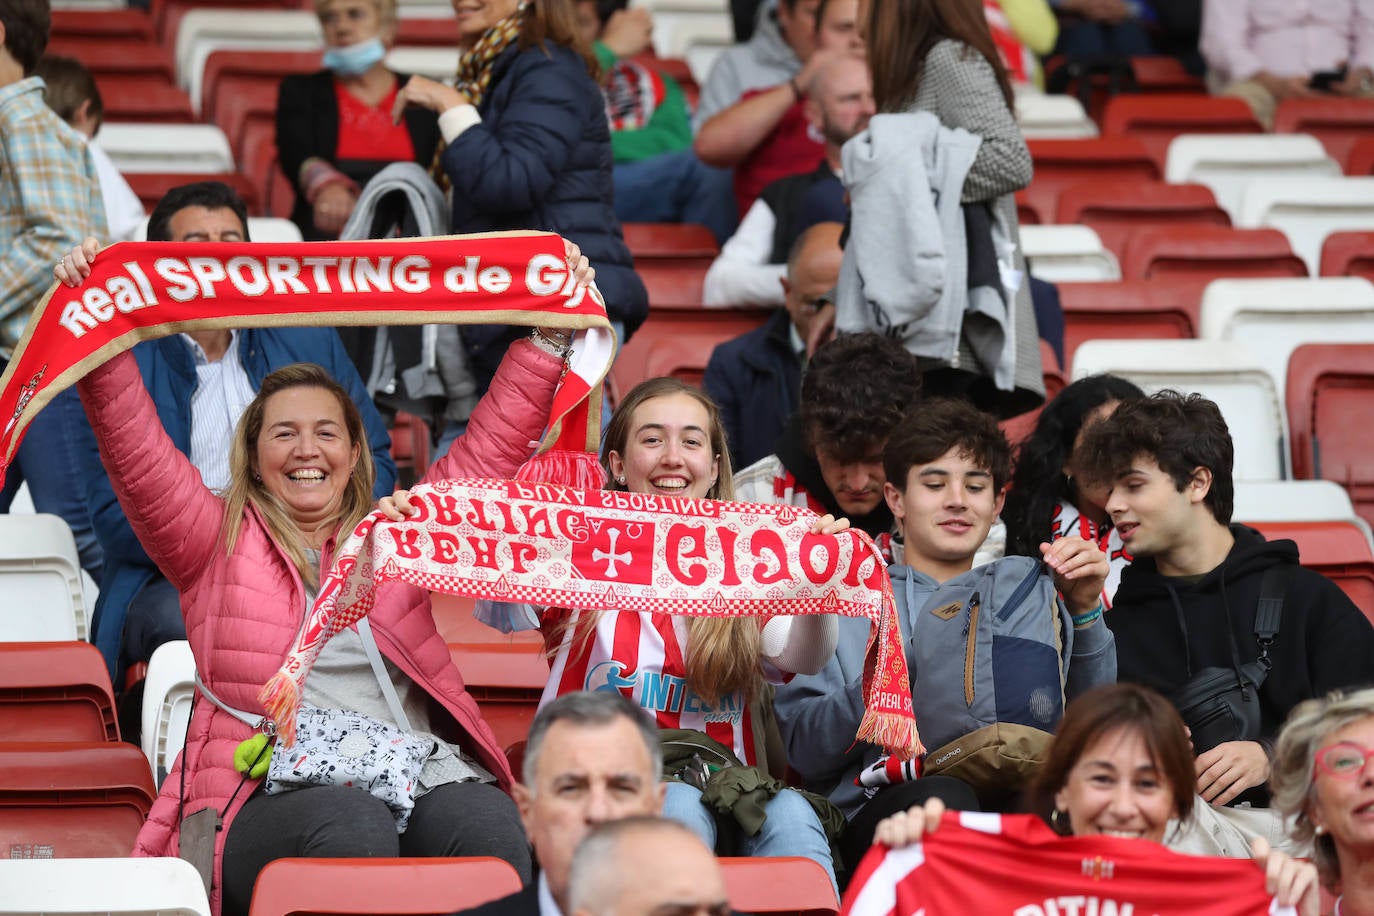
(1224,371)
(1336,121)
(1068,254)
(1307,210)
(1272,316)
(673,283)
(119,887)
(1114,209)
(1337,550)
(437,63)
(678,342)
(1348,254)
(786,885)
(55,691)
(1059,163)
(1047,117)
(151,186)
(72,800)
(1155,119)
(670,241)
(1330,395)
(1165,308)
(1230,164)
(196,148)
(40,573)
(202,31)
(1208,252)
(168,691)
(403,885)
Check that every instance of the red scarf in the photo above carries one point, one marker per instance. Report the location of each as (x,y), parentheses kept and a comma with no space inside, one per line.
(603,550)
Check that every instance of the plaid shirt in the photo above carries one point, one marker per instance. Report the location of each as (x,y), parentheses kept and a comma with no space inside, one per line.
(49,201)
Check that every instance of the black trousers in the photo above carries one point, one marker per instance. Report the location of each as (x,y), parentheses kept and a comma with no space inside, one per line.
(858,836)
(459,819)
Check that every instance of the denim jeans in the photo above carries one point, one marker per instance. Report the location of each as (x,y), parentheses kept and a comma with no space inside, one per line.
(47,460)
(676,188)
(792,828)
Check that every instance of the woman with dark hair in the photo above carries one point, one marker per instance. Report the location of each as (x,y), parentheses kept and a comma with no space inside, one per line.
(1121,765)
(526,145)
(974,331)
(1322,778)
(1046,500)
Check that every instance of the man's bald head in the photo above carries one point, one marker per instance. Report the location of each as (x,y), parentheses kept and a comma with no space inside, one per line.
(841,99)
(645,866)
(813,267)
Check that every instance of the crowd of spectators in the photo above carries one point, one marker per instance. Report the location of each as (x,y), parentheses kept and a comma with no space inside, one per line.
(838,153)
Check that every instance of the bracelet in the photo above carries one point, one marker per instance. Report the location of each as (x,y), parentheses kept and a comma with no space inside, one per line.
(554,345)
(1083,620)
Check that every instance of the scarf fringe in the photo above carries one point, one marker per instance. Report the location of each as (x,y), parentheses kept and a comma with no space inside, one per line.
(892,731)
(280,698)
(564,467)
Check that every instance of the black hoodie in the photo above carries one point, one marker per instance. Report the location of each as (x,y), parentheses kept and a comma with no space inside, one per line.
(794,453)
(1324,641)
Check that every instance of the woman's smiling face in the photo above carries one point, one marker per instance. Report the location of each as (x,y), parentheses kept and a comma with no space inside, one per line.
(304,454)
(1117,789)
(668,450)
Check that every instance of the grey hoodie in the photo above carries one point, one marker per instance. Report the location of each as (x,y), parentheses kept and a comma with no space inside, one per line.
(764,61)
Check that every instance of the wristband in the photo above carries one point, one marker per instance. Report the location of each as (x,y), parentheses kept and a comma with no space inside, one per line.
(1083,620)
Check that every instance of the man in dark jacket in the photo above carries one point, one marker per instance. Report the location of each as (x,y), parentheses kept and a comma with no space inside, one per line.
(201,382)
(756,377)
(1189,599)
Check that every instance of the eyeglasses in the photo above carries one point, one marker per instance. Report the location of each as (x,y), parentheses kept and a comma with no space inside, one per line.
(1344,760)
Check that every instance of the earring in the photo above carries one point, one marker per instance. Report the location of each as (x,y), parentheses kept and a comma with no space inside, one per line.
(1319,830)
(620,480)
(257,477)
(1059,821)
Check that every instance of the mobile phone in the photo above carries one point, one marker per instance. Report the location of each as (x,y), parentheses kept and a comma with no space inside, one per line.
(1325,80)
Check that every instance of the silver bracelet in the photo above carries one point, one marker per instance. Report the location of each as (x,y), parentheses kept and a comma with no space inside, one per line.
(552,345)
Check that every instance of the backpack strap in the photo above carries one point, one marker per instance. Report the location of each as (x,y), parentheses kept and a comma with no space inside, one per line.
(1269,610)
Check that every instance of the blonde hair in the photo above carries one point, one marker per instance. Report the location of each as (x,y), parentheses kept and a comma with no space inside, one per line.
(1309,726)
(386,9)
(722,654)
(246,486)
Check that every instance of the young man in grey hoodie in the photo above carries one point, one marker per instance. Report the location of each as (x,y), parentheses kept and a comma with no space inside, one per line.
(947,467)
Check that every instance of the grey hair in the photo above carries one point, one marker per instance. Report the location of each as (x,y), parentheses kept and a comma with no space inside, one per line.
(1309,725)
(590,708)
(595,857)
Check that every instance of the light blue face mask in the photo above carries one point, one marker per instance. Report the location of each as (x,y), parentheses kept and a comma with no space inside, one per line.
(356,59)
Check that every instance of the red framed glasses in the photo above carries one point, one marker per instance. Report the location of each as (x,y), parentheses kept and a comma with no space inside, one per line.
(1344,760)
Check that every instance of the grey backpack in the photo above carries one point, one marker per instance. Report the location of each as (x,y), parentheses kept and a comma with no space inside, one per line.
(991,649)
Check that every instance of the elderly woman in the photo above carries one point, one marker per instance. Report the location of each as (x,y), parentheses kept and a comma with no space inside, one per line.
(1322,777)
(527,146)
(1121,765)
(334,127)
(247,566)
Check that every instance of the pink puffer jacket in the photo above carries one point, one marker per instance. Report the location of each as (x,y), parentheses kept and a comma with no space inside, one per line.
(243,610)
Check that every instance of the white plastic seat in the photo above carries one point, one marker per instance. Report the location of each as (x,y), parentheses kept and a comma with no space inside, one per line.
(127,887)
(676,30)
(1272,316)
(439,64)
(700,59)
(204,30)
(1222,370)
(1296,501)
(424,9)
(1053,117)
(192,148)
(167,695)
(40,581)
(260,229)
(1307,210)
(1226,163)
(1068,254)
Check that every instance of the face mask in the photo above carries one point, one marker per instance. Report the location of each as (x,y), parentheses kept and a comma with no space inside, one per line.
(354,60)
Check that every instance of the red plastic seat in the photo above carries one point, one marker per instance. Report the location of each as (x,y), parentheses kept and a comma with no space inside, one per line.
(107,24)
(678,342)
(104,56)
(674,283)
(166,14)
(787,885)
(1157,118)
(229,73)
(1337,550)
(70,800)
(409,448)
(1361,158)
(1145,309)
(55,691)
(1348,254)
(1116,208)
(672,241)
(142,97)
(1330,400)
(402,885)
(1153,252)
(151,186)
(1337,122)
(258,161)
(1026,213)
(428,31)
(1060,163)
(1159,73)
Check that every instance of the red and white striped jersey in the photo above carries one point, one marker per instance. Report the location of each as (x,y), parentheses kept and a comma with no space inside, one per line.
(642,655)
(1069,521)
(1013,865)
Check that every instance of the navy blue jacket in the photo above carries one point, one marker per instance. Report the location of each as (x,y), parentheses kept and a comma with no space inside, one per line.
(169,370)
(756,381)
(541,159)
